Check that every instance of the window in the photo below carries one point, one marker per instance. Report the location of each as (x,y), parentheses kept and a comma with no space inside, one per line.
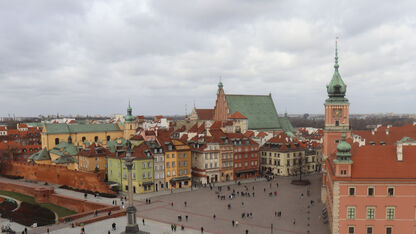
(167,155)
(235,165)
(185,172)
(167,164)
(173,164)
(179,155)
(179,164)
(370,191)
(56,141)
(206,165)
(180,172)
(148,164)
(390,191)
(185,163)
(351,230)
(390,213)
(149,174)
(369,230)
(134,176)
(371,212)
(173,155)
(144,175)
(184,155)
(351,191)
(173,173)
(96,138)
(351,213)
(389,230)
(144,165)
(168,173)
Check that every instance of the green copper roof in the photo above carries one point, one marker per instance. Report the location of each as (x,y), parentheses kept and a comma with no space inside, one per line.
(114,144)
(343,149)
(41,155)
(65,149)
(336,88)
(56,128)
(64,159)
(259,110)
(129,117)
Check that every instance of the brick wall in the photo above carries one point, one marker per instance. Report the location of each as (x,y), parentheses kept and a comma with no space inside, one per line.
(56,175)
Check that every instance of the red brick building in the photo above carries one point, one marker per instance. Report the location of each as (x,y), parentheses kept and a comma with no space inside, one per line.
(246,156)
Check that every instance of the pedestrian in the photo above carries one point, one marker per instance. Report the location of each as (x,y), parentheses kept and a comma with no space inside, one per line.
(214,216)
(109,232)
(171,227)
(143,221)
(275,213)
(246,231)
(186,217)
(95,213)
(182,228)
(113,202)
(171,204)
(301,196)
(233,222)
(242,203)
(174,227)
(85,195)
(25,230)
(264,189)
(185,203)
(294,221)
(277,185)
(113,226)
(109,212)
(253,194)
(236,223)
(270,185)
(150,201)
(83,230)
(202,229)
(146,201)
(253,187)
(47,230)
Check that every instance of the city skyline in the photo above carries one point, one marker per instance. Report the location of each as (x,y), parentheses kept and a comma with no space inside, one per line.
(91,58)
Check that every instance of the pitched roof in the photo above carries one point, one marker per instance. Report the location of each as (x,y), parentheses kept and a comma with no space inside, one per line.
(205,114)
(65,159)
(237,115)
(55,128)
(41,155)
(142,152)
(64,149)
(94,150)
(380,162)
(388,135)
(259,110)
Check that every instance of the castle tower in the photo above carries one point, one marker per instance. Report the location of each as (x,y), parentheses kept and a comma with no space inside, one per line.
(343,161)
(130,124)
(337,117)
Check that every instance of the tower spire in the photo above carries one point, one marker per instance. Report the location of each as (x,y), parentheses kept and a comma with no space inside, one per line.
(336,66)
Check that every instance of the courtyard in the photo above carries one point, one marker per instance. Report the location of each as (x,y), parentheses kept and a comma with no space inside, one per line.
(202,204)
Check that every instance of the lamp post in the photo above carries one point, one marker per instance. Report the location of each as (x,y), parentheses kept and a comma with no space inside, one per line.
(132,226)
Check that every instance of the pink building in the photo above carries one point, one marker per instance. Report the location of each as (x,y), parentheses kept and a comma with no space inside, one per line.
(369,188)
(373,190)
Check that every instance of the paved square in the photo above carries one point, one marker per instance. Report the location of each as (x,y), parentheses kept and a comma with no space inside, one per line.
(204,203)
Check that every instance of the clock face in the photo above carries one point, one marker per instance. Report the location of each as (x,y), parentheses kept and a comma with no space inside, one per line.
(337,113)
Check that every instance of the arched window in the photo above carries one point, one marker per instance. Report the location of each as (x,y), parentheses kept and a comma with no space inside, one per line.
(96,138)
(108,138)
(83,139)
(56,141)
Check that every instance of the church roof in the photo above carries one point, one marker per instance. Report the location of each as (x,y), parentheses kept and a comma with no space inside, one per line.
(237,115)
(205,114)
(56,128)
(259,110)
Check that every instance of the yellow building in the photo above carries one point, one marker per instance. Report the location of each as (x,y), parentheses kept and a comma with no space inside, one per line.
(93,158)
(177,161)
(54,133)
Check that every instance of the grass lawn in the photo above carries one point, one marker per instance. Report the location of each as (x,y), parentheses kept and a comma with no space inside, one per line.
(60,211)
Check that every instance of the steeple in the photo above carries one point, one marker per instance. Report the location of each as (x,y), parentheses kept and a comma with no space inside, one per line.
(220,86)
(336,88)
(129,117)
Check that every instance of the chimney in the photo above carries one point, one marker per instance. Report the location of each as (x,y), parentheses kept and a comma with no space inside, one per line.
(399,152)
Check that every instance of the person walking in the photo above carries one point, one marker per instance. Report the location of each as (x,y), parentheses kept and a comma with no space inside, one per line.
(233,223)
(246,231)
(143,221)
(202,229)
(214,216)
(185,203)
(47,230)
(294,221)
(186,217)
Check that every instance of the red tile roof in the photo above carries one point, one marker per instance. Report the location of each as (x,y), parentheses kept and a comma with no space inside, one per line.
(249,134)
(140,152)
(380,162)
(205,114)
(95,150)
(237,115)
(216,125)
(261,134)
(395,133)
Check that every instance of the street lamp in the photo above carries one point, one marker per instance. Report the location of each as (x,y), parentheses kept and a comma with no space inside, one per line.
(132,226)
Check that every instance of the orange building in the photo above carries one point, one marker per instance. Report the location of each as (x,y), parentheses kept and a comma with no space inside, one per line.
(93,158)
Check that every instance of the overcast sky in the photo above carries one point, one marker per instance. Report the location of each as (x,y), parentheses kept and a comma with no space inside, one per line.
(91,57)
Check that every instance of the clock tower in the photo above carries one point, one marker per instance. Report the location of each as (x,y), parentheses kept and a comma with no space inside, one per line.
(337,118)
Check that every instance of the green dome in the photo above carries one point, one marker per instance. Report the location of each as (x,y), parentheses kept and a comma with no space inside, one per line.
(343,149)
(337,87)
(220,85)
(129,117)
